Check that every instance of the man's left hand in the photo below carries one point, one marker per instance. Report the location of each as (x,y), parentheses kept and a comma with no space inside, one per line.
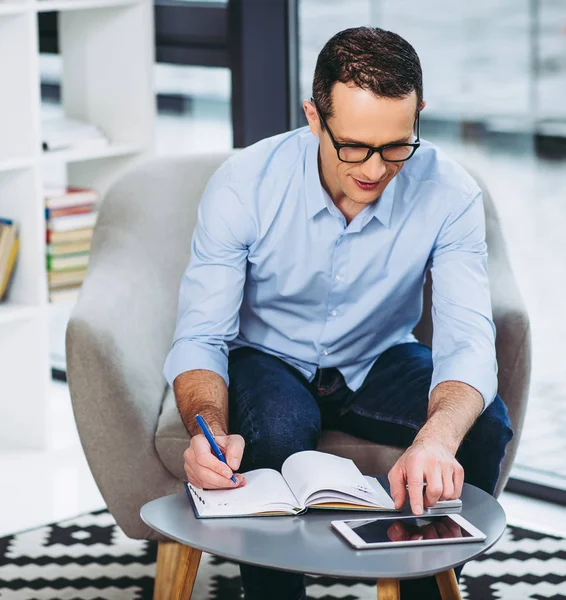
(426,461)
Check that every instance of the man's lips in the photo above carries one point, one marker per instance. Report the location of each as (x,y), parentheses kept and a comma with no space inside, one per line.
(365,185)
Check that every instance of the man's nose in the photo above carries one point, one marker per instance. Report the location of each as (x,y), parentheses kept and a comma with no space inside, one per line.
(374,168)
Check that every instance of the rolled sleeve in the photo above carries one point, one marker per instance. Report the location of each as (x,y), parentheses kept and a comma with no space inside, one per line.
(212,286)
(463,345)
(190,355)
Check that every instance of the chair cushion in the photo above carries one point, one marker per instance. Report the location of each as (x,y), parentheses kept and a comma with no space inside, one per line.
(172,439)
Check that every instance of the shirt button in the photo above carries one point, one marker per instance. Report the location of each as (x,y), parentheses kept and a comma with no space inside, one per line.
(334,313)
(325,352)
(339,277)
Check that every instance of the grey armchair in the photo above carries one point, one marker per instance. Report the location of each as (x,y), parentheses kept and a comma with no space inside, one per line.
(122,326)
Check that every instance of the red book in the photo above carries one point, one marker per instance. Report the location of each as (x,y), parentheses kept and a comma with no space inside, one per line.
(50,213)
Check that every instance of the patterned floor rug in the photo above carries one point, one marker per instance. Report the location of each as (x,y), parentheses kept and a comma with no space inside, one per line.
(89,558)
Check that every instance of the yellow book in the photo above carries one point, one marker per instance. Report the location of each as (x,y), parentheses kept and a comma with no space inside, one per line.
(68,248)
(6,275)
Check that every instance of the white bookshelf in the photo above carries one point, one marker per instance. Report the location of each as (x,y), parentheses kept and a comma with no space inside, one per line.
(107,59)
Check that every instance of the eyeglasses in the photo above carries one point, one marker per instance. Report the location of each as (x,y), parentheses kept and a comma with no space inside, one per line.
(358,153)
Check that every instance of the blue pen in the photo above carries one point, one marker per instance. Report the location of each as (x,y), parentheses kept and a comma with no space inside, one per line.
(210,437)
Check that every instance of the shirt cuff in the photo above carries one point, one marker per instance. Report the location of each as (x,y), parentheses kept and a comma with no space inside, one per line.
(186,355)
(481,376)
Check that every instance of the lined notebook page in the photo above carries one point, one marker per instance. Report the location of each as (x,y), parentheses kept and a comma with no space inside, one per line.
(265,490)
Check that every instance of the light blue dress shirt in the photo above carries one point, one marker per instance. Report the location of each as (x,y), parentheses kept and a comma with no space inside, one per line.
(275,266)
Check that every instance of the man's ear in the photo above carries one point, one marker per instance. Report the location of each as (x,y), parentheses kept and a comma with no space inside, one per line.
(423,104)
(312,117)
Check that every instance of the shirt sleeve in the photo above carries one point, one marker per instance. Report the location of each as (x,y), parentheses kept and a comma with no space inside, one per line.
(212,286)
(463,345)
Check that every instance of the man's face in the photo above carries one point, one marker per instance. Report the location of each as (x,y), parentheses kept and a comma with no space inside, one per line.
(362,118)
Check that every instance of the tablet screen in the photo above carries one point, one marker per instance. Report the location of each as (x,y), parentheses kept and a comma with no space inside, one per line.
(414,528)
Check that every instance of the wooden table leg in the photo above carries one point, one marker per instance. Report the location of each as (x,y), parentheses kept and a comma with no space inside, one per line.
(388,589)
(177,567)
(448,585)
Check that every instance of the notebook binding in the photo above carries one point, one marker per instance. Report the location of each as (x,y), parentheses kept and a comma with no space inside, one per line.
(194,491)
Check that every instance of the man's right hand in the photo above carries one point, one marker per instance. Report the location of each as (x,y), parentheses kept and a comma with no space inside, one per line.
(204,470)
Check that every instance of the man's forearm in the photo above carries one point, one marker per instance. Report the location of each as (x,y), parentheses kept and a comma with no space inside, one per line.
(452,410)
(202,392)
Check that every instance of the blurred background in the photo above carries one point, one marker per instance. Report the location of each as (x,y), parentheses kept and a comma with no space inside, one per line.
(227,74)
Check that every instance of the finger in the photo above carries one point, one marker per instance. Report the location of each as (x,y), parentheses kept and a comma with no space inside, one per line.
(442,530)
(204,457)
(212,480)
(234,445)
(429,532)
(209,462)
(395,532)
(415,478)
(397,486)
(447,483)
(433,484)
(399,532)
(200,445)
(458,478)
(453,527)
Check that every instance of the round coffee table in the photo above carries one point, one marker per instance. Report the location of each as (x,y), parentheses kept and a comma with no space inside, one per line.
(308,544)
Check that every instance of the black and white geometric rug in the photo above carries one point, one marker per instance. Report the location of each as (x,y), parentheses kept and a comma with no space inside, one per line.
(89,558)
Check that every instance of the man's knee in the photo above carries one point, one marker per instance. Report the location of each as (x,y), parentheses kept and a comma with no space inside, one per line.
(493,428)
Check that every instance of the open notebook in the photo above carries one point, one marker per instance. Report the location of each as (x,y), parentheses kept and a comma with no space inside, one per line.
(308,479)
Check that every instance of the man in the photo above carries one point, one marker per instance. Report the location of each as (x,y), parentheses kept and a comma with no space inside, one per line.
(305,283)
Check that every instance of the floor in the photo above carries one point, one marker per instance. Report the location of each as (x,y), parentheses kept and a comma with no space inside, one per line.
(56,484)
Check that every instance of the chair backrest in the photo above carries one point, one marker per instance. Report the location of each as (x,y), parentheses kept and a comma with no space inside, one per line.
(144,229)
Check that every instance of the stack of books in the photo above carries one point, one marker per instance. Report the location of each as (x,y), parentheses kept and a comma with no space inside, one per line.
(70,217)
(9,246)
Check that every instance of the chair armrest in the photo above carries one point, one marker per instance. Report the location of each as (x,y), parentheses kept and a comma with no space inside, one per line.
(513,340)
(116,409)
(513,347)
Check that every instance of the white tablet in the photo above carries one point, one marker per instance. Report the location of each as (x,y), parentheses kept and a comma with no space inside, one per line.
(393,532)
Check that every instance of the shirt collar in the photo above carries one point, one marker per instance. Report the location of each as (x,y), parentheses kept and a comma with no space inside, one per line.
(316,196)
(383,207)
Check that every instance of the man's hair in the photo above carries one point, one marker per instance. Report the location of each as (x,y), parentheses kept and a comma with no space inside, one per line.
(374,59)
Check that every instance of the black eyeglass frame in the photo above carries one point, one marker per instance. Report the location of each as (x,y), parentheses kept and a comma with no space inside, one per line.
(372,150)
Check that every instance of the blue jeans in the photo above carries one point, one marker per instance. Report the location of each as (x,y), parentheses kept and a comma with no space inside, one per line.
(278,412)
